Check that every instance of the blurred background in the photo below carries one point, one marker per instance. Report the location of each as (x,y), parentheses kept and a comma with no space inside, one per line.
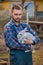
(35,19)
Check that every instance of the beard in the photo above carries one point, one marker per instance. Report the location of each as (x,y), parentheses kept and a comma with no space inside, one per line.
(17,20)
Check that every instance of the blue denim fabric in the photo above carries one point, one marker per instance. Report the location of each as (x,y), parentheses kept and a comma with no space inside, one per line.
(20,57)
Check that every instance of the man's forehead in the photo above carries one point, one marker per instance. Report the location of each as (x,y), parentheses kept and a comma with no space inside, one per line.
(16,10)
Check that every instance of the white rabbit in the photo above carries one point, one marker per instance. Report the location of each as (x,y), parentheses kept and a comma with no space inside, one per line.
(24,34)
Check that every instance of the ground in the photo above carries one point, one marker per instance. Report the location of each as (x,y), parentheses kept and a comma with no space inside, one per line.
(37,56)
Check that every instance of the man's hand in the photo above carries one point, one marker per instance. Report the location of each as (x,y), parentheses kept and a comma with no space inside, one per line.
(28,41)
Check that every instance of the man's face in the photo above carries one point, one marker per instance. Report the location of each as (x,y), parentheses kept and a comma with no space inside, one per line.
(16,14)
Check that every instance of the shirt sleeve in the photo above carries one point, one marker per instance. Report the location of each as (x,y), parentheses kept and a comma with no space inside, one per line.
(34,34)
(11,41)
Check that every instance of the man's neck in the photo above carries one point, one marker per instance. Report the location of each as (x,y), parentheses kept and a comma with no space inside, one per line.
(17,23)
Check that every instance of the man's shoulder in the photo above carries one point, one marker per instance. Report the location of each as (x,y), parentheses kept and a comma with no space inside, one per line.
(7,25)
(24,24)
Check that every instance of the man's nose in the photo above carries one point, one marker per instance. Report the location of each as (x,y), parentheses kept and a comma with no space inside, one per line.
(18,16)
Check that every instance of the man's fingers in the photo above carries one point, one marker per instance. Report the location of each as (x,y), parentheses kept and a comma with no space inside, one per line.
(29,41)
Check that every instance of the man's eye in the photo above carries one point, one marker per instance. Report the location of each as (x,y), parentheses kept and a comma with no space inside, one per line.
(17,14)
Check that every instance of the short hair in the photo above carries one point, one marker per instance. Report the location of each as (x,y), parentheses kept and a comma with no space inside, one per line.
(18,7)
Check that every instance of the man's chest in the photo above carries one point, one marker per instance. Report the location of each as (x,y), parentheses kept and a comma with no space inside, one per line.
(16,30)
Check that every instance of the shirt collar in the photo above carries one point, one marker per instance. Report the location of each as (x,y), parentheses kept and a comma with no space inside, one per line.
(13,23)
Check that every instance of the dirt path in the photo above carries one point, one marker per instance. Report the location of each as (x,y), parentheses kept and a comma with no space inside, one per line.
(38,55)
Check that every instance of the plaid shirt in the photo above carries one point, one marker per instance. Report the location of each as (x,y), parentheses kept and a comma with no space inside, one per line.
(10,35)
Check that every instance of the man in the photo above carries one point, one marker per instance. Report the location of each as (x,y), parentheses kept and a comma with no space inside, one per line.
(20,54)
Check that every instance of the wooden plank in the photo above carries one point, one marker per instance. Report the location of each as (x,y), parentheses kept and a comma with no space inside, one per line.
(35,22)
(3,61)
(40,35)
